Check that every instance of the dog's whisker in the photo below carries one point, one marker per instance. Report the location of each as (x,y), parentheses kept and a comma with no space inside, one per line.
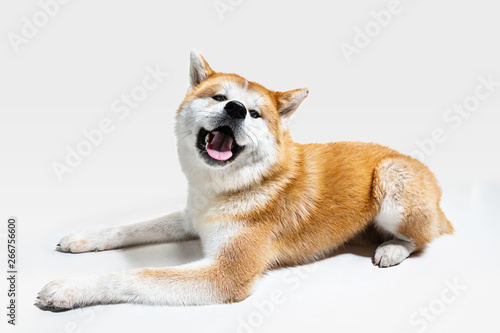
(259,129)
(185,136)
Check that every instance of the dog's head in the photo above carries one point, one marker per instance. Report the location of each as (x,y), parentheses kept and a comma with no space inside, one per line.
(227,124)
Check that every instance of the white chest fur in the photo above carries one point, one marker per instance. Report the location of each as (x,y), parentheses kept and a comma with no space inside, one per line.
(214,233)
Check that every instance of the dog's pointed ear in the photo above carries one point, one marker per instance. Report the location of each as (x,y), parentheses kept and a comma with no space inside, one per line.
(289,101)
(199,70)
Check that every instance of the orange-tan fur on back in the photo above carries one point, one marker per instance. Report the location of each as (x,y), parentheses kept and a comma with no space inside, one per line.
(320,196)
(325,194)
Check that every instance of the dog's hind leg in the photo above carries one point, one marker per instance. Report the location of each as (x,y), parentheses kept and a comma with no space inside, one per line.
(408,196)
(164,229)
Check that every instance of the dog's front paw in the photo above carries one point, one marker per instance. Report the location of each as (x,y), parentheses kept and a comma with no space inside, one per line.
(84,242)
(62,295)
(75,243)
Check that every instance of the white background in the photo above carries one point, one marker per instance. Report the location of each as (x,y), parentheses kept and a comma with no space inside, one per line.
(395,92)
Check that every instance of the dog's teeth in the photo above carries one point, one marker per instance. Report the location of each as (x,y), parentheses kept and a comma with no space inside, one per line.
(207,138)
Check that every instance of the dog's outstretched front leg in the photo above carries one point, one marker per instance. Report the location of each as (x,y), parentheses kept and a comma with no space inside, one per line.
(164,229)
(224,278)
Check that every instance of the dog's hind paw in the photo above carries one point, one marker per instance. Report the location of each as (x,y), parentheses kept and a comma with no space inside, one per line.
(392,253)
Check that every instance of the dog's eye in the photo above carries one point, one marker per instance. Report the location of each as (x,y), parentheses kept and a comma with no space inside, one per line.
(254,114)
(220,98)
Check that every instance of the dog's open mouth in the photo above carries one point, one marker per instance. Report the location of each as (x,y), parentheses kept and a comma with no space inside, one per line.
(218,147)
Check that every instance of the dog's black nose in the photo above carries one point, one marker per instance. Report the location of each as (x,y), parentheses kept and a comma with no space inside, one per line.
(235,110)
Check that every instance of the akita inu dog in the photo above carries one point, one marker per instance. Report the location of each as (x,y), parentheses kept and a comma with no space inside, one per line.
(257,200)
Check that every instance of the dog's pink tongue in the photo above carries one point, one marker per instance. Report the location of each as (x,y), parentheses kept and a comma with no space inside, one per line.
(220,146)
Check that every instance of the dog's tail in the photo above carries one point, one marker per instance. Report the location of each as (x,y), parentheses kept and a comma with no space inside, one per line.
(445,225)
